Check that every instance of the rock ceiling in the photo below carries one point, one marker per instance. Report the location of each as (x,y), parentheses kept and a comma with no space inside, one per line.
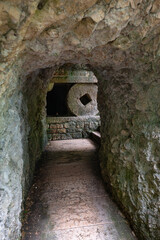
(52,32)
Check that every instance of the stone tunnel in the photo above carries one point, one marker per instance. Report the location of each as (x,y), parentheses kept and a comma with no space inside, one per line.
(119,41)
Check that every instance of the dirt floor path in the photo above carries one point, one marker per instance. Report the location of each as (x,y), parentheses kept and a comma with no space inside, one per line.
(68,200)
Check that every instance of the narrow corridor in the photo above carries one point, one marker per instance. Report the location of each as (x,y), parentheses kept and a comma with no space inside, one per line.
(68,200)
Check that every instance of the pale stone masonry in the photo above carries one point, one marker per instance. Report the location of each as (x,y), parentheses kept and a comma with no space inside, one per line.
(61,128)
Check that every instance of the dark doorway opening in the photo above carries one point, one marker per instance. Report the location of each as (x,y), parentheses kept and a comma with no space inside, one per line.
(57,100)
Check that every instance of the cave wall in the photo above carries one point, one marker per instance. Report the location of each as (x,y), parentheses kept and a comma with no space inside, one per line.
(119,41)
(34,91)
(11,154)
(22,140)
(129,104)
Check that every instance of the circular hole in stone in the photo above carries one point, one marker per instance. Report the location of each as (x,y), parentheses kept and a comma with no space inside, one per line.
(85,99)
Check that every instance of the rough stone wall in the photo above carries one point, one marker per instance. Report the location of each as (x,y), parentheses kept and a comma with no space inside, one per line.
(131,145)
(11,155)
(22,139)
(34,94)
(60,128)
(120,41)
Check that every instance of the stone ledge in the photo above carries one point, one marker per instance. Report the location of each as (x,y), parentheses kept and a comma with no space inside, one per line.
(71,118)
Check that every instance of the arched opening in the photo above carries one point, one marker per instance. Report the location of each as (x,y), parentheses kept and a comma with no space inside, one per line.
(68,197)
(119,42)
(71,107)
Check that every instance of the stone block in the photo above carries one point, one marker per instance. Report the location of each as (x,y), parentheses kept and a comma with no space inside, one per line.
(72,124)
(80,125)
(52,125)
(87,126)
(59,125)
(71,130)
(76,135)
(53,130)
(93,125)
(65,136)
(56,137)
(61,130)
(78,129)
(68,136)
(66,125)
(71,76)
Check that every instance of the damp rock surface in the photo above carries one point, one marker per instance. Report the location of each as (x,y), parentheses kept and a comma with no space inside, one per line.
(120,42)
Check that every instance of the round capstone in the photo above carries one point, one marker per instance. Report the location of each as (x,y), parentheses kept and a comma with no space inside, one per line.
(82,99)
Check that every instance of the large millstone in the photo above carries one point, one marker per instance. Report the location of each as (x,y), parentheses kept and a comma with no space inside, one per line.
(82,99)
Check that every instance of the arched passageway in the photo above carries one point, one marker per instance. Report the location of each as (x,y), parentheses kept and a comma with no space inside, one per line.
(118,41)
(68,199)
